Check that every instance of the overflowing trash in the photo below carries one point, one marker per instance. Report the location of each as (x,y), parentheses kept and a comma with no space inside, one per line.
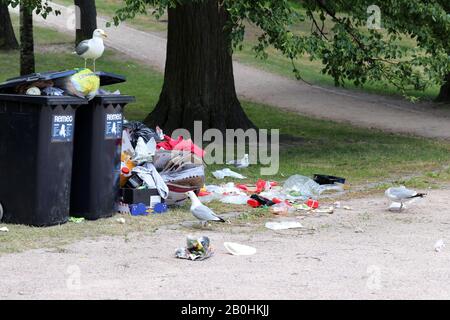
(237,249)
(196,249)
(157,171)
(78,82)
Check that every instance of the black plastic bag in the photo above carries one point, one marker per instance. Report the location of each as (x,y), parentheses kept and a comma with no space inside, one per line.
(138,129)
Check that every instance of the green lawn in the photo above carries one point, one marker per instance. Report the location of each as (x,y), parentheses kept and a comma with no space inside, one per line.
(361,155)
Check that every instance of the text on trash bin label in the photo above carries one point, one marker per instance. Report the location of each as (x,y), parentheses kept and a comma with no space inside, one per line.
(113,126)
(62,128)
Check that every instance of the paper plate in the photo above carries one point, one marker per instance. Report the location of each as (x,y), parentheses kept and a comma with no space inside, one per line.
(239,249)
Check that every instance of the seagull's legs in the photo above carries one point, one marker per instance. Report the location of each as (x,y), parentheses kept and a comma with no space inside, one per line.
(401,206)
(85,63)
(94,65)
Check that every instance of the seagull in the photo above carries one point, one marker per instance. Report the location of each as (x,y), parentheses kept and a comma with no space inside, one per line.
(240,164)
(401,194)
(92,48)
(200,211)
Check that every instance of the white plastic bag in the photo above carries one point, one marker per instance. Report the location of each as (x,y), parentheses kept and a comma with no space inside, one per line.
(220,174)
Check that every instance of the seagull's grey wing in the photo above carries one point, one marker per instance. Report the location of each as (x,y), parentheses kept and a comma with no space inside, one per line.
(82,47)
(402,193)
(204,213)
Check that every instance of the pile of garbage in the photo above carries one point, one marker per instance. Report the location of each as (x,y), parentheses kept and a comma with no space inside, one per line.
(297,193)
(157,170)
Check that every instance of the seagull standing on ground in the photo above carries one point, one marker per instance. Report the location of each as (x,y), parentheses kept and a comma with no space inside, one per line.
(202,212)
(402,194)
(92,48)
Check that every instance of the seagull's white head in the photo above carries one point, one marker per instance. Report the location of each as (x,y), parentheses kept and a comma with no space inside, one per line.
(191,194)
(99,33)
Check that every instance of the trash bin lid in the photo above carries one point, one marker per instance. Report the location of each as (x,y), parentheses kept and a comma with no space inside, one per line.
(41,76)
(106,78)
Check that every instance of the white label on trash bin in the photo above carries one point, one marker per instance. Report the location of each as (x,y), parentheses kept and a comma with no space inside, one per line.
(62,128)
(113,126)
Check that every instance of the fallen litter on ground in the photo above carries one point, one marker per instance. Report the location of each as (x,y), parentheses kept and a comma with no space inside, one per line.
(439,245)
(283,225)
(237,249)
(197,249)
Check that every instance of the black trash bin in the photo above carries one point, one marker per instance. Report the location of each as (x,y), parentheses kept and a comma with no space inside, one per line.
(36,146)
(97,150)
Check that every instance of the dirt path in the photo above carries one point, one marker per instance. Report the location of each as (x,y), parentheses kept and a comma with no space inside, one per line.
(360,109)
(366,253)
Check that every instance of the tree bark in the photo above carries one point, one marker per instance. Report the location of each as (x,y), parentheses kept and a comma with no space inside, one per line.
(87,18)
(8,39)
(444,93)
(27,63)
(198,80)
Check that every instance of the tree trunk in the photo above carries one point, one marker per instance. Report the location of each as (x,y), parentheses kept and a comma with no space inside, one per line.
(444,94)
(8,39)
(199,80)
(87,18)
(26,40)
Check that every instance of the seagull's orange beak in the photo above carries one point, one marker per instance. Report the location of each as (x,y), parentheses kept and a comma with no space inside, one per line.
(104,35)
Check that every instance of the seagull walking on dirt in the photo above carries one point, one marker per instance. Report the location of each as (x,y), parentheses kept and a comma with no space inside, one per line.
(402,194)
(202,212)
(92,48)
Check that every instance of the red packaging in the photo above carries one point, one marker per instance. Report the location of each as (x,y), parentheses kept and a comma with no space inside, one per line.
(313,204)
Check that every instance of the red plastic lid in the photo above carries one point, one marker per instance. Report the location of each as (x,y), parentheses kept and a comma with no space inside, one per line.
(125,170)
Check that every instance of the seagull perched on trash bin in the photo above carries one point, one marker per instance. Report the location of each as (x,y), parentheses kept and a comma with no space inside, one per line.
(240,164)
(202,212)
(92,48)
(402,194)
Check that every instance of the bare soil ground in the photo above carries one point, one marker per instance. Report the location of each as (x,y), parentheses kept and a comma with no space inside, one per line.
(365,253)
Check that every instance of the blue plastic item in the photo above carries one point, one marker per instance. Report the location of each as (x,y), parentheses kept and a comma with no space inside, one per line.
(160,208)
(138,209)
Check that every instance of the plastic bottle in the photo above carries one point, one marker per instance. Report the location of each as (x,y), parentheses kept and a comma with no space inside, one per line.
(125,174)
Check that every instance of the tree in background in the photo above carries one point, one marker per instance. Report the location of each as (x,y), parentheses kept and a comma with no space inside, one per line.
(8,40)
(88,19)
(199,83)
(27,63)
(425,22)
(27,7)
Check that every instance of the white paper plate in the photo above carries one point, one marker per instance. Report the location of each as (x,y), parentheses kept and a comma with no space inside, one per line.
(239,249)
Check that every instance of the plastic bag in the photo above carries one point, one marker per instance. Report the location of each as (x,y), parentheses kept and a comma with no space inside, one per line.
(235,199)
(83,84)
(144,152)
(138,130)
(283,225)
(220,174)
(301,186)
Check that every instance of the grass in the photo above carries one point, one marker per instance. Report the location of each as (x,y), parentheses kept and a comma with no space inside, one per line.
(360,155)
